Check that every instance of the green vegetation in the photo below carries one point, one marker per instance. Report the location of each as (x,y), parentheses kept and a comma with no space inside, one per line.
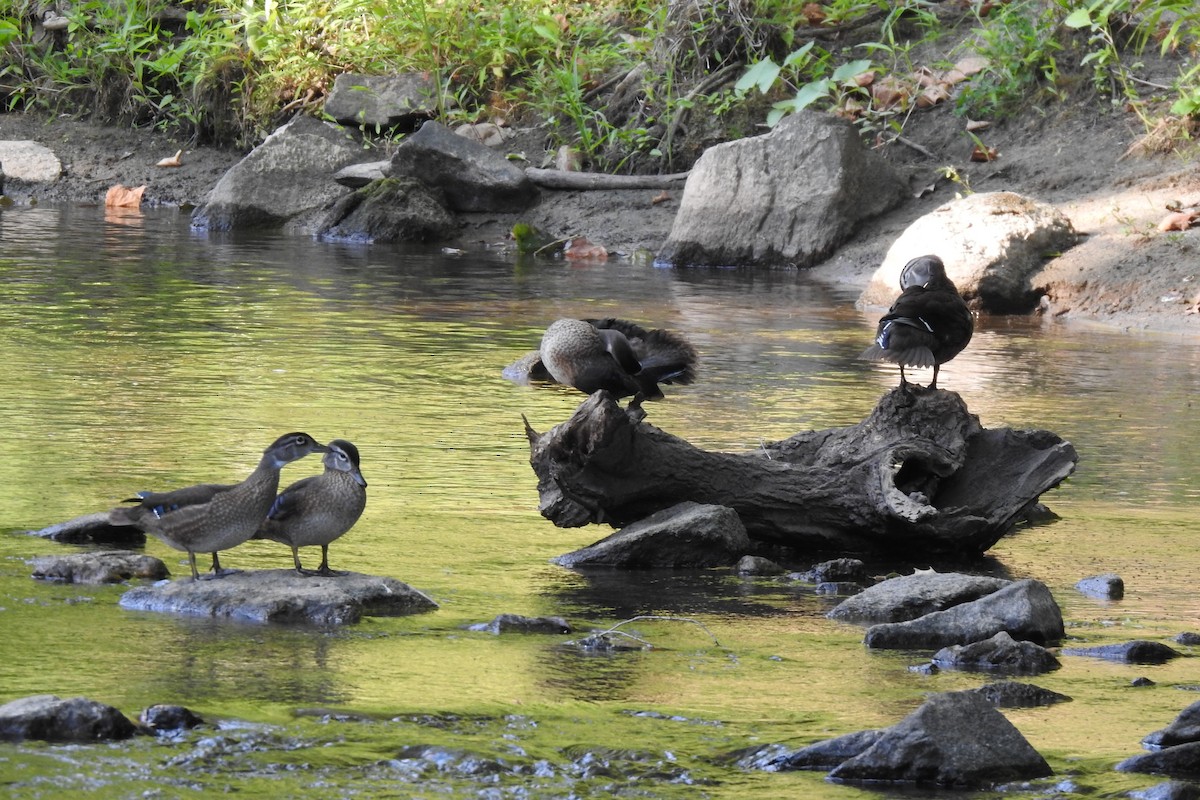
(620,80)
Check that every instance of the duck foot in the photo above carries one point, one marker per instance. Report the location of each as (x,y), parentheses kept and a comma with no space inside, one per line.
(323,571)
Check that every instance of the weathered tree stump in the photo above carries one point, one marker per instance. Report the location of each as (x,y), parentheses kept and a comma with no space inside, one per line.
(919,472)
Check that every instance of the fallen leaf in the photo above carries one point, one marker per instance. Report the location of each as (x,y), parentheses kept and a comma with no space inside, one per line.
(813,13)
(865,78)
(984,153)
(978,124)
(171,161)
(953,76)
(924,76)
(889,91)
(123,197)
(932,96)
(971,64)
(580,249)
(662,197)
(1179,221)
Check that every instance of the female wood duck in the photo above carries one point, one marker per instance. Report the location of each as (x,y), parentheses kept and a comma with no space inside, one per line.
(616,355)
(929,323)
(212,517)
(317,510)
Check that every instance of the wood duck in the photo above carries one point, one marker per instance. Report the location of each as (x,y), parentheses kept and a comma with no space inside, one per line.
(317,510)
(929,323)
(616,355)
(212,517)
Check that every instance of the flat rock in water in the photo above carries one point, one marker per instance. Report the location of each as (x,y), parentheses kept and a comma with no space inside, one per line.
(91,528)
(1180,761)
(827,754)
(167,719)
(686,535)
(1170,790)
(1025,609)
(107,567)
(47,717)
(1139,651)
(1013,694)
(516,623)
(1001,653)
(1108,586)
(954,740)
(282,596)
(912,596)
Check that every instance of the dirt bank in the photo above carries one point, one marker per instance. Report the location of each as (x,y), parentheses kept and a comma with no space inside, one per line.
(1083,158)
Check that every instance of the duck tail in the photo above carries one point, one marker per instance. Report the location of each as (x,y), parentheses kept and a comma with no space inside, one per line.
(667,357)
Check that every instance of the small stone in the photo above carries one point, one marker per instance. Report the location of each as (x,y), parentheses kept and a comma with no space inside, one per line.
(1108,586)
(757,565)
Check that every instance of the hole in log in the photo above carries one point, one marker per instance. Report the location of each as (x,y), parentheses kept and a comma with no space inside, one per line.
(918,476)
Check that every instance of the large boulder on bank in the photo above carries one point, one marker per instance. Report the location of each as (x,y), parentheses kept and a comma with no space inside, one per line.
(686,535)
(382,101)
(282,596)
(993,244)
(284,181)
(469,175)
(388,210)
(48,718)
(112,566)
(953,740)
(1025,609)
(788,197)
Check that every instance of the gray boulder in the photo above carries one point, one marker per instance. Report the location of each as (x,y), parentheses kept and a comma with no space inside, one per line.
(1012,694)
(683,536)
(388,210)
(356,176)
(953,740)
(1025,609)
(837,570)
(108,567)
(993,244)
(1185,728)
(1108,586)
(824,755)
(28,162)
(282,596)
(470,176)
(757,565)
(1138,651)
(48,718)
(1180,761)
(166,719)
(788,197)
(912,596)
(284,181)
(1001,653)
(1170,790)
(516,623)
(382,101)
(91,528)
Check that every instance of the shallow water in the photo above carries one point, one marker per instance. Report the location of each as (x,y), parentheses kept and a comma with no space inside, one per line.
(140,355)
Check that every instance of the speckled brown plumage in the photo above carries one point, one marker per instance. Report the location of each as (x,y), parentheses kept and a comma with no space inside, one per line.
(317,510)
(617,356)
(211,517)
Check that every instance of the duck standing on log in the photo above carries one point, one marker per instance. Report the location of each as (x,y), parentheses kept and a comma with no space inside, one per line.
(618,356)
(211,517)
(929,323)
(316,510)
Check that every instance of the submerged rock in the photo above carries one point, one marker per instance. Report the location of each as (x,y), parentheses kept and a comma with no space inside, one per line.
(1012,694)
(838,570)
(1139,651)
(686,535)
(1180,761)
(911,596)
(515,623)
(757,565)
(1185,728)
(825,755)
(1171,790)
(1001,653)
(282,596)
(1108,586)
(48,718)
(1025,609)
(387,210)
(107,567)
(167,719)
(954,740)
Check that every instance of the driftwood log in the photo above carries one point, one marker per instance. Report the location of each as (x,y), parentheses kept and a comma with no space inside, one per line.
(919,472)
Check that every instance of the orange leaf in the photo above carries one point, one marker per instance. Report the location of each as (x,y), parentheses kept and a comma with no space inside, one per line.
(813,13)
(580,249)
(123,197)
(662,197)
(983,153)
(1179,221)
(171,161)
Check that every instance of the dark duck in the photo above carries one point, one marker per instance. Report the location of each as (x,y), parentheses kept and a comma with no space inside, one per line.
(212,517)
(317,510)
(929,323)
(615,355)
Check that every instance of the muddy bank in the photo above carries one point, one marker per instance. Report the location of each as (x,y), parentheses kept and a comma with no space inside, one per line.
(1083,159)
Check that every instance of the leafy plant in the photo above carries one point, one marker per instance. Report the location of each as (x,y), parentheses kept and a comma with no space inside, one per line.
(833,88)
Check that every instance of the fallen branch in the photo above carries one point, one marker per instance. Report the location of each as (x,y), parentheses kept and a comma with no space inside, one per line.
(587,181)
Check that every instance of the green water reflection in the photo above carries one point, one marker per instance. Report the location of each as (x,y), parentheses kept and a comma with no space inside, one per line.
(139,356)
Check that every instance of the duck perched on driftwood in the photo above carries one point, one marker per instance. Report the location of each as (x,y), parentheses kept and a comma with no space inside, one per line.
(929,323)
(618,356)
(319,509)
(211,517)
